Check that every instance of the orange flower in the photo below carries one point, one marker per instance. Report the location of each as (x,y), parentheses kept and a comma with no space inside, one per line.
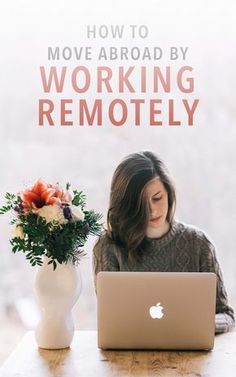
(40,195)
(65,197)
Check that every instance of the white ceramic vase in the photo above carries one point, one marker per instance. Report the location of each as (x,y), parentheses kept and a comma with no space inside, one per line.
(56,293)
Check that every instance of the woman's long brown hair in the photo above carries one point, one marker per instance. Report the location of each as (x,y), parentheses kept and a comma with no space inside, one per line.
(128,213)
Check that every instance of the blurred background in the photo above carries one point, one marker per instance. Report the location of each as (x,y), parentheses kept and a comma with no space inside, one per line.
(200,158)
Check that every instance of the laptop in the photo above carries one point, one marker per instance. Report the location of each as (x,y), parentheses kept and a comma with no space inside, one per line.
(156,310)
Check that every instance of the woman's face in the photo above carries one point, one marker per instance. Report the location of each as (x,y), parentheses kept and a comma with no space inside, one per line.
(158,203)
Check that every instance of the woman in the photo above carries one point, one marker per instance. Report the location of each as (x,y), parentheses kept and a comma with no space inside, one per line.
(142,234)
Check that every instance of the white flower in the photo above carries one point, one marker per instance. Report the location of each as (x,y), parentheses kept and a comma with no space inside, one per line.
(77,213)
(52,213)
(18,231)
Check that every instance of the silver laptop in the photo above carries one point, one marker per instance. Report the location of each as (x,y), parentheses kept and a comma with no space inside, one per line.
(156,310)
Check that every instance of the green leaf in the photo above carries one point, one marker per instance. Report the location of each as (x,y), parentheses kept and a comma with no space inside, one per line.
(5,209)
(79,198)
(13,221)
(9,196)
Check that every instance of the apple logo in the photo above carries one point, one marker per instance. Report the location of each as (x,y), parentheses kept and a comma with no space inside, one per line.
(156,311)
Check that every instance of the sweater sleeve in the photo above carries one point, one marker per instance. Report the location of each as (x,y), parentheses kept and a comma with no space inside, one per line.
(104,257)
(224,318)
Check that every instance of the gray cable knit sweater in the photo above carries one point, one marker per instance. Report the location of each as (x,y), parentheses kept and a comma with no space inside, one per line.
(183,248)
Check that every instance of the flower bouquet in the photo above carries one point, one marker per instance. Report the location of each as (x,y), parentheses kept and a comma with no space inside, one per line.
(50,221)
